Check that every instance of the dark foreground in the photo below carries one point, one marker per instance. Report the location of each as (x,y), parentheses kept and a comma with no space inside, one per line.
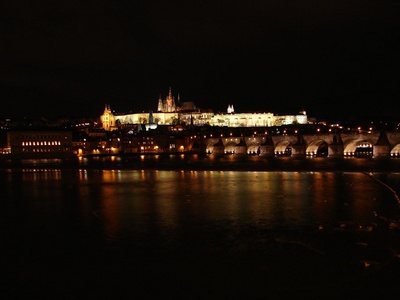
(87,270)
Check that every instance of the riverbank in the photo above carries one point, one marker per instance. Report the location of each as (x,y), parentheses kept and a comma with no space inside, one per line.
(210,162)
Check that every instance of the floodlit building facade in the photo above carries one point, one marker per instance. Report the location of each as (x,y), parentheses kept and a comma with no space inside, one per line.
(170,112)
(40,143)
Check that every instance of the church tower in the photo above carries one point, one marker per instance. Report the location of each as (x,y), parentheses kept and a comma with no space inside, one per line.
(160,104)
(107,118)
(167,105)
(170,102)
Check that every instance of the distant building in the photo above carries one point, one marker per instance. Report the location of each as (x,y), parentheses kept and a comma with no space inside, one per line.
(108,119)
(168,113)
(168,104)
(38,144)
(171,112)
(243,119)
(232,119)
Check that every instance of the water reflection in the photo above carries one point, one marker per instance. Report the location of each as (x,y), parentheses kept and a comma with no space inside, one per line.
(139,201)
(276,230)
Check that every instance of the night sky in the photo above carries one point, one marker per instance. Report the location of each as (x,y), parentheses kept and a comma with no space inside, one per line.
(334,59)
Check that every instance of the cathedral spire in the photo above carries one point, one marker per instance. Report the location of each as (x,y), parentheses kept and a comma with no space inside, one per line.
(160,104)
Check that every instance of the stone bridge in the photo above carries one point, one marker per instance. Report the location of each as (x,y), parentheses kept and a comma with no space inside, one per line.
(375,144)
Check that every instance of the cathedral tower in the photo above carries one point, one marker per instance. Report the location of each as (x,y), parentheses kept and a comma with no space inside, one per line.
(168,104)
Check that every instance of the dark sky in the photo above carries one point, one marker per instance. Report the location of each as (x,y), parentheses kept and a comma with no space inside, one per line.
(70,58)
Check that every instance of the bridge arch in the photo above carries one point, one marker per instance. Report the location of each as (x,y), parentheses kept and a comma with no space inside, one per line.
(395,151)
(317,148)
(283,148)
(230,147)
(210,146)
(253,148)
(358,147)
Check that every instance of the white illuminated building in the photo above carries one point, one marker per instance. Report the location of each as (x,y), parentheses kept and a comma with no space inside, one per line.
(171,113)
(232,119)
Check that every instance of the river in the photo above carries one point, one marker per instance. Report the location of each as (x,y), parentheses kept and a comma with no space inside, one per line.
(112,228)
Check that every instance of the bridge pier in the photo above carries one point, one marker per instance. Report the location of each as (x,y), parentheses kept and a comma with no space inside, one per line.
(267,148)
(335,151)
(298,151)
(299,148)
(218,148)
(382,146)
(241,148)
(336,148)
(380,151)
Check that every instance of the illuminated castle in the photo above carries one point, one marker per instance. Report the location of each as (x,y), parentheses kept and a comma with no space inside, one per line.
(170,112)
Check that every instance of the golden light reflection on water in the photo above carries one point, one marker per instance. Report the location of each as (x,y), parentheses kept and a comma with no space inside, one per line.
(41,174)
(147,201)
(83,175)
(140,202)
(245,219)
(323,195)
